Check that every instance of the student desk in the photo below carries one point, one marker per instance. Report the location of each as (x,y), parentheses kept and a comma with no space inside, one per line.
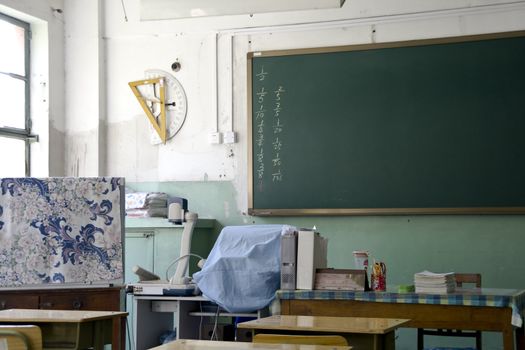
(184,344)
(362,332)
(71,328)
(486,309)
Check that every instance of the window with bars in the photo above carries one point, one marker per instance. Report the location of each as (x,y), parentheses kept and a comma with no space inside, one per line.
(15,122)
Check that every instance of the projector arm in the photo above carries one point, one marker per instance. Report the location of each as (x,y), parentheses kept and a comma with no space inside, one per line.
(185,245)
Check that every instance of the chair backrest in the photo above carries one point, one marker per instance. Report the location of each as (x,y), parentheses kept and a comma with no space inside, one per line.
(23,337)
(334,340)
(473,278)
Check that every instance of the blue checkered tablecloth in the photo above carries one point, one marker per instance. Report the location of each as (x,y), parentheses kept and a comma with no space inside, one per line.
(492,297)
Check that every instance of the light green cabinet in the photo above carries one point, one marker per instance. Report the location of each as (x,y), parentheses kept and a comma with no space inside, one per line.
(139,250)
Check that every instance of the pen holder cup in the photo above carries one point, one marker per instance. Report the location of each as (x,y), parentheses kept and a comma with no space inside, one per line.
(378,282)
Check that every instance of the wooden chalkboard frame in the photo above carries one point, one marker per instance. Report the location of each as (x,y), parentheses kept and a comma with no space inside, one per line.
(360,211)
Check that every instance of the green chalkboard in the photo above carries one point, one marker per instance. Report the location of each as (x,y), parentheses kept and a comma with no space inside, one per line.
(429,127)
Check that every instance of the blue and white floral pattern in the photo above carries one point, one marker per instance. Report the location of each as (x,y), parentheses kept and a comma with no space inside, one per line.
(60,230)
(1,222)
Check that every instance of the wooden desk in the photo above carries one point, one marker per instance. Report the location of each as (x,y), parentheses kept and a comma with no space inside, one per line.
(71,328)
(362,332)
(497,310)
(184,344)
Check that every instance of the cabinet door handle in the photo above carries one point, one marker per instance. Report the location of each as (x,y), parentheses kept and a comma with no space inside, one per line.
(46,305)
(77,304)
(2,304)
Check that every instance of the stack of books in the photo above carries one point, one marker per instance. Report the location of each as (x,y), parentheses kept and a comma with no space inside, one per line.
(437,283)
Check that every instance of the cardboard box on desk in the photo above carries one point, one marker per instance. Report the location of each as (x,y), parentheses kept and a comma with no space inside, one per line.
(339,279)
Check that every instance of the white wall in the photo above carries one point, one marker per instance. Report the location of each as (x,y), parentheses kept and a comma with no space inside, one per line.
(85,85)
(133,46)
(47,80)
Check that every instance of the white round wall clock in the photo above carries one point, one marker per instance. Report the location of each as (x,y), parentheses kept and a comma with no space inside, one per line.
(176,104)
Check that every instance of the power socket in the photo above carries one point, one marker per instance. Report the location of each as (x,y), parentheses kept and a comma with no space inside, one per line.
(230,137)
(215,138)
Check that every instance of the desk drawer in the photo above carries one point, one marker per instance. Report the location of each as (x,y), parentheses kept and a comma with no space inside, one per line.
(107,301)
(15,301)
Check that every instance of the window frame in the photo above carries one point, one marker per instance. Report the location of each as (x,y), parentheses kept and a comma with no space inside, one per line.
(18,133)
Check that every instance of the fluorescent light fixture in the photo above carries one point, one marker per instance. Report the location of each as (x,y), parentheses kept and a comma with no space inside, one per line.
(172,9)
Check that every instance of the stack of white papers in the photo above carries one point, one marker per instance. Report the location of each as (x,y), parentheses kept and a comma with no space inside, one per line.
(431,282)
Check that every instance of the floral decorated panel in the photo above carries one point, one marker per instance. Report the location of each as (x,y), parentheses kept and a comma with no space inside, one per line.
(60,230)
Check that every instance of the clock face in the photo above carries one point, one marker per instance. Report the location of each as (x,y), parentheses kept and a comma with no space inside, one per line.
(176,104)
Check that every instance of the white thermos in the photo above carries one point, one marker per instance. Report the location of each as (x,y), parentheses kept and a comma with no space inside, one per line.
(176,213)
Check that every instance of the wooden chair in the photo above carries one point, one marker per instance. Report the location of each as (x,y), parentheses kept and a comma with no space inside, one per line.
(333,340)
(470,278)
(24,337)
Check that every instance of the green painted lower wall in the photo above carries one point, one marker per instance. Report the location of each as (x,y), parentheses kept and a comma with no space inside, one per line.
(491,244)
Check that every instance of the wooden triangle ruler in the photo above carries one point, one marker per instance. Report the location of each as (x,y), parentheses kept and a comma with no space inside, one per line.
(158,125)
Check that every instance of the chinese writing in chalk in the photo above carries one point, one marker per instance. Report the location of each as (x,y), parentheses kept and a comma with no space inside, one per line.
(259,128)
(260,95)
(259,138)
(268,129)
(278,128)
(261,75)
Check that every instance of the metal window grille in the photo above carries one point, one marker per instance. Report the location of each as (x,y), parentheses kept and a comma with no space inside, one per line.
(8,131)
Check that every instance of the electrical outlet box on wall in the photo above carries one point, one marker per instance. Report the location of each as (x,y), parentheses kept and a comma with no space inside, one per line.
(215,138)
(230,137)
